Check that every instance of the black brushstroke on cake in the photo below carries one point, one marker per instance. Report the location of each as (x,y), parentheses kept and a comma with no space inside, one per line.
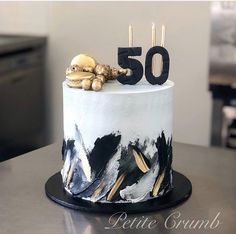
(141,147)
(78,173)
(167,182)
(103,151)
(67,146)
(129,168)
(165,157)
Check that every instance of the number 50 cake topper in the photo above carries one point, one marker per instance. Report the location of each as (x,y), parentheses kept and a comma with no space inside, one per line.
(126,61)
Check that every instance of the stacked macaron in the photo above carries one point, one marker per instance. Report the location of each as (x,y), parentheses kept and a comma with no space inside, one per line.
(84,72)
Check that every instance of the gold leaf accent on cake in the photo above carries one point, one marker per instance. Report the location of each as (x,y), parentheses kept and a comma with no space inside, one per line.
(69,176)
(157,184)
(140,161)
(97,191)
(115,187)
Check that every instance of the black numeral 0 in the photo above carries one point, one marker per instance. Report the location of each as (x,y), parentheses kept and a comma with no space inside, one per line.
(148,65)
(134,65)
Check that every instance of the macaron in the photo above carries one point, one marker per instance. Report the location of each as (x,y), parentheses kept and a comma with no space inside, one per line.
(74,84)
(84,60)
(75,79)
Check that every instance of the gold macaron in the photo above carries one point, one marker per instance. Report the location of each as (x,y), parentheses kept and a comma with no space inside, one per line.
(84,60)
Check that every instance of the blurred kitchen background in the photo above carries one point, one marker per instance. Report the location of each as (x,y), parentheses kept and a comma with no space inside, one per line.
(39,39)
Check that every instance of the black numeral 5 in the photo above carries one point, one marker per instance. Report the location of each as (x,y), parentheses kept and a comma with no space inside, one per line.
(134,65)
(137,68)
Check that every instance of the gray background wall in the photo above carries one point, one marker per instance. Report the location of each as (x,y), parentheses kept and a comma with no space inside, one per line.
(98,28)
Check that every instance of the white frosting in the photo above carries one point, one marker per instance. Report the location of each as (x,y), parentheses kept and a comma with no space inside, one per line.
(136,111)
(140,111)
(141,87)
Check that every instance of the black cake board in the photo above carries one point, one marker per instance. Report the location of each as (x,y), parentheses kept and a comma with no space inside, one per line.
(180,193)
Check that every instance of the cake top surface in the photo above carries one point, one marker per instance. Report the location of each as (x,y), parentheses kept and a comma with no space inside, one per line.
(114,87)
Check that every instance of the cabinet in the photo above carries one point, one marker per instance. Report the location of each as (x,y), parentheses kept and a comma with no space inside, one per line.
(22,97)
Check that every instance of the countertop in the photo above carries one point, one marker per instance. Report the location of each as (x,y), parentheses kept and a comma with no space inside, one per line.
(25,209)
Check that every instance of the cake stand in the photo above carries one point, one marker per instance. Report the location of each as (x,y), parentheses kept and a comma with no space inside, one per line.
(182,189)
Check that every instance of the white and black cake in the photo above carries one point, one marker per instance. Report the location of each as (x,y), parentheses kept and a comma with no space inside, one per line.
(118,141)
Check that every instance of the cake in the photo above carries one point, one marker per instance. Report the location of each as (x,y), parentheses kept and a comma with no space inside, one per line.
(117,145)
